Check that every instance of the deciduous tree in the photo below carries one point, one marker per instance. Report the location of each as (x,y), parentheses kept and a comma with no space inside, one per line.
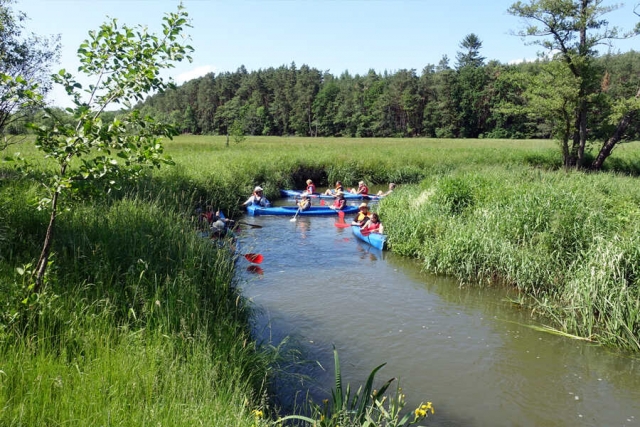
(125,63)
(24,67)
(571,30)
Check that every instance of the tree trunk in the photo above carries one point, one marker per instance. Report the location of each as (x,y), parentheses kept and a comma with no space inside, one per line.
(607,147)
(582,132)
(41,267)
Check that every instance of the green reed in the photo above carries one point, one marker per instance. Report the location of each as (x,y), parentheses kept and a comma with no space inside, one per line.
(140,322)
(568,241)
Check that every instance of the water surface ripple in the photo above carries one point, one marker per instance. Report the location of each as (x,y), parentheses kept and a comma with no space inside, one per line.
(465,349)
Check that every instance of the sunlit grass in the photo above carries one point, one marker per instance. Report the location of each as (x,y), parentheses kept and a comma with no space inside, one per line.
(141,321)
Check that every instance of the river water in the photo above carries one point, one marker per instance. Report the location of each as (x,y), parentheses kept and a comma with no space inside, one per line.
(468,350)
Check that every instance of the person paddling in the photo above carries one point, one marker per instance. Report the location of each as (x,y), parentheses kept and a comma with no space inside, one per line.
(373,225)
(257,198)
(304,203)
(340,201)
(221,226)
(363,215)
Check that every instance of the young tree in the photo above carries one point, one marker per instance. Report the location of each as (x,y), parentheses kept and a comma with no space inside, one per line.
(24,66)
(571,30)
(125,63)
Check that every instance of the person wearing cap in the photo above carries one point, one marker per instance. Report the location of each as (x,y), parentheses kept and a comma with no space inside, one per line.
(257,198)
(362,189)
(338,187)
(340,201)
(311,188)
(363,215)
(304,203)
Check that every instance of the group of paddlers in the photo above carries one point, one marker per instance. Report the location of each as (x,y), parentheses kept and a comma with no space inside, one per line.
(366,220)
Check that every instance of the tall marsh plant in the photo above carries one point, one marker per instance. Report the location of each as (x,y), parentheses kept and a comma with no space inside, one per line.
(568,242)
(367,407)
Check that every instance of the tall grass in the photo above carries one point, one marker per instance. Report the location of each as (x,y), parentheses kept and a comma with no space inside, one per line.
(568,241)
(141,322)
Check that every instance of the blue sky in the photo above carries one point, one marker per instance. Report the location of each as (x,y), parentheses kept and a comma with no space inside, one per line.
(333,35)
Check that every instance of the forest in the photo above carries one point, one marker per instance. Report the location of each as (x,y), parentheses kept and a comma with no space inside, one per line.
(469,99)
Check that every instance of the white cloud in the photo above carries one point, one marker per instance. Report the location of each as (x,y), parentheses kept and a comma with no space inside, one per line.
(195,73)
(520,61)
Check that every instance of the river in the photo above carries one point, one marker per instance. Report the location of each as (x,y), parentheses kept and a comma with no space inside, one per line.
(468,350)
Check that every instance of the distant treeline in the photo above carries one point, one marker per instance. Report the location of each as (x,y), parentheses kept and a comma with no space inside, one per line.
(470,100)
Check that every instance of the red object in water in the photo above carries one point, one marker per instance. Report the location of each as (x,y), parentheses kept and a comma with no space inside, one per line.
(254,258)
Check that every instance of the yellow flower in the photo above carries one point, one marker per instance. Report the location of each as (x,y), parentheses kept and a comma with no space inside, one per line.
(258,413)
(424,409)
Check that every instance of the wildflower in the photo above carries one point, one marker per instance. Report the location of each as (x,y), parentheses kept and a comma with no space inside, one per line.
(258,413)
(423,410)
(428,407)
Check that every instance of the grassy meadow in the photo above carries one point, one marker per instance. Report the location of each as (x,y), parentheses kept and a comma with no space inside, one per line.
(142,323)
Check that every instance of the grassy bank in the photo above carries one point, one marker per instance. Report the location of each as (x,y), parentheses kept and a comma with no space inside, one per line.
(142,322)
(568,241)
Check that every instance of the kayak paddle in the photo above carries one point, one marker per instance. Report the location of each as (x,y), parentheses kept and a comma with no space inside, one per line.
(295,216)
(249,225)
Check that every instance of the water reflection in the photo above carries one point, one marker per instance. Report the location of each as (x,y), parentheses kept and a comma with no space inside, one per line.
(468,350)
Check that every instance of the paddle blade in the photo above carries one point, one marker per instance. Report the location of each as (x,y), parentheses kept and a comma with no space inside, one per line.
(341,225)
(254,258)
(341,215)
(322,203)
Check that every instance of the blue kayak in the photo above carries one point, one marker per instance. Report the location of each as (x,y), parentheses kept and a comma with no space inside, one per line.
(291,210)
(348,196)
(376,240)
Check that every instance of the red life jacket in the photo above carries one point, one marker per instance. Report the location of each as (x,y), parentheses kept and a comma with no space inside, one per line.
(363,189)
(371,227)
(311,188)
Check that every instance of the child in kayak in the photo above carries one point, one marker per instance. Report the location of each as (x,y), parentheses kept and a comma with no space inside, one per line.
(392,187)
(373,225)
(362,189)
(304,203)
(338,187)
(311,188)
(340,201)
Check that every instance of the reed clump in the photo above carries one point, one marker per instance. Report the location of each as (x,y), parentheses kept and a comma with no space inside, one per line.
(568,241)
(140,320)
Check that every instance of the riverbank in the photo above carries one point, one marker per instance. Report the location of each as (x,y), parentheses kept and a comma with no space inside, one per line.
(140,321)
(134,297)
